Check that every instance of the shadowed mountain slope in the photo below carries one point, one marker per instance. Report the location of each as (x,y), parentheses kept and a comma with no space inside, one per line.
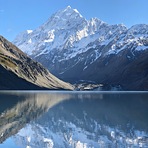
(18,71)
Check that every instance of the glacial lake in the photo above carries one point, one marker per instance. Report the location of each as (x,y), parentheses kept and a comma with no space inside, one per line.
(64,119)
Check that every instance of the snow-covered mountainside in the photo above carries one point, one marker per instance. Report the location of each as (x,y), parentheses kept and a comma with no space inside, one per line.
(68,42)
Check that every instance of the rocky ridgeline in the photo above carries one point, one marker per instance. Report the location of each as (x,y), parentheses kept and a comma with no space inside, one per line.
(76,49)
(18,71)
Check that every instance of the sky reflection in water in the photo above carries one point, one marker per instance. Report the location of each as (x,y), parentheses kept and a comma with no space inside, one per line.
(73,119)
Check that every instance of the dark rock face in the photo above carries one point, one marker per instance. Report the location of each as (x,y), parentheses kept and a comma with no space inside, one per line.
(18,71)
(10,81)
(131,74)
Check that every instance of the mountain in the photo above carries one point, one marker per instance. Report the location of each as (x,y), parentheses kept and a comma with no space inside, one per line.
(76,49)
(18,71)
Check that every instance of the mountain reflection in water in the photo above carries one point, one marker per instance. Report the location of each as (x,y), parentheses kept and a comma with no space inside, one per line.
(73,119)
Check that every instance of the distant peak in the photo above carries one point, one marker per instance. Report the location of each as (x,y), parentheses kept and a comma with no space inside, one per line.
(68,12)
(68,7)
(29,31)
(76,11)
(96,19)
(139,26)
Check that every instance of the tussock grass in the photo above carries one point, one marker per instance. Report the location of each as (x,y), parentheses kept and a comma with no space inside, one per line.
(5,61)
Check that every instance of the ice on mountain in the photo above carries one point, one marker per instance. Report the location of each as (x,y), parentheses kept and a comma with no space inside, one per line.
(30,41)
(29,31)
(28,138)
(69,33)
(77,12)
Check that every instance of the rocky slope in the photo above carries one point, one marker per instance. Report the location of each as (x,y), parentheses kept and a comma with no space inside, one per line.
(91,50)
(18,71)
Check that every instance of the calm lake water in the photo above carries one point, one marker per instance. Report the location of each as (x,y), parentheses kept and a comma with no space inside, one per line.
(73,119)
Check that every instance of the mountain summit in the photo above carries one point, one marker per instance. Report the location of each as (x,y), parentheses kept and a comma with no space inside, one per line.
(76,49)
(63,19)
(62,30)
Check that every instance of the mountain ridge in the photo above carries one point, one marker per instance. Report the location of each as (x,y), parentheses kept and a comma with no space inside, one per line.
(68,42)
(18,71)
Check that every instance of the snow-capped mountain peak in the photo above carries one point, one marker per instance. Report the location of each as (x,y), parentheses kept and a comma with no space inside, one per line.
(67,41)
(64,19)
(138,29)
(29,31)
(70,11)
(61,29)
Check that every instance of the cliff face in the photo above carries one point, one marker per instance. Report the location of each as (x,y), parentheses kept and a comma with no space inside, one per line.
(18,71)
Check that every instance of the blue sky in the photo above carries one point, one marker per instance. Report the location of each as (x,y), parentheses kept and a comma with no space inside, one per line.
(19,15)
